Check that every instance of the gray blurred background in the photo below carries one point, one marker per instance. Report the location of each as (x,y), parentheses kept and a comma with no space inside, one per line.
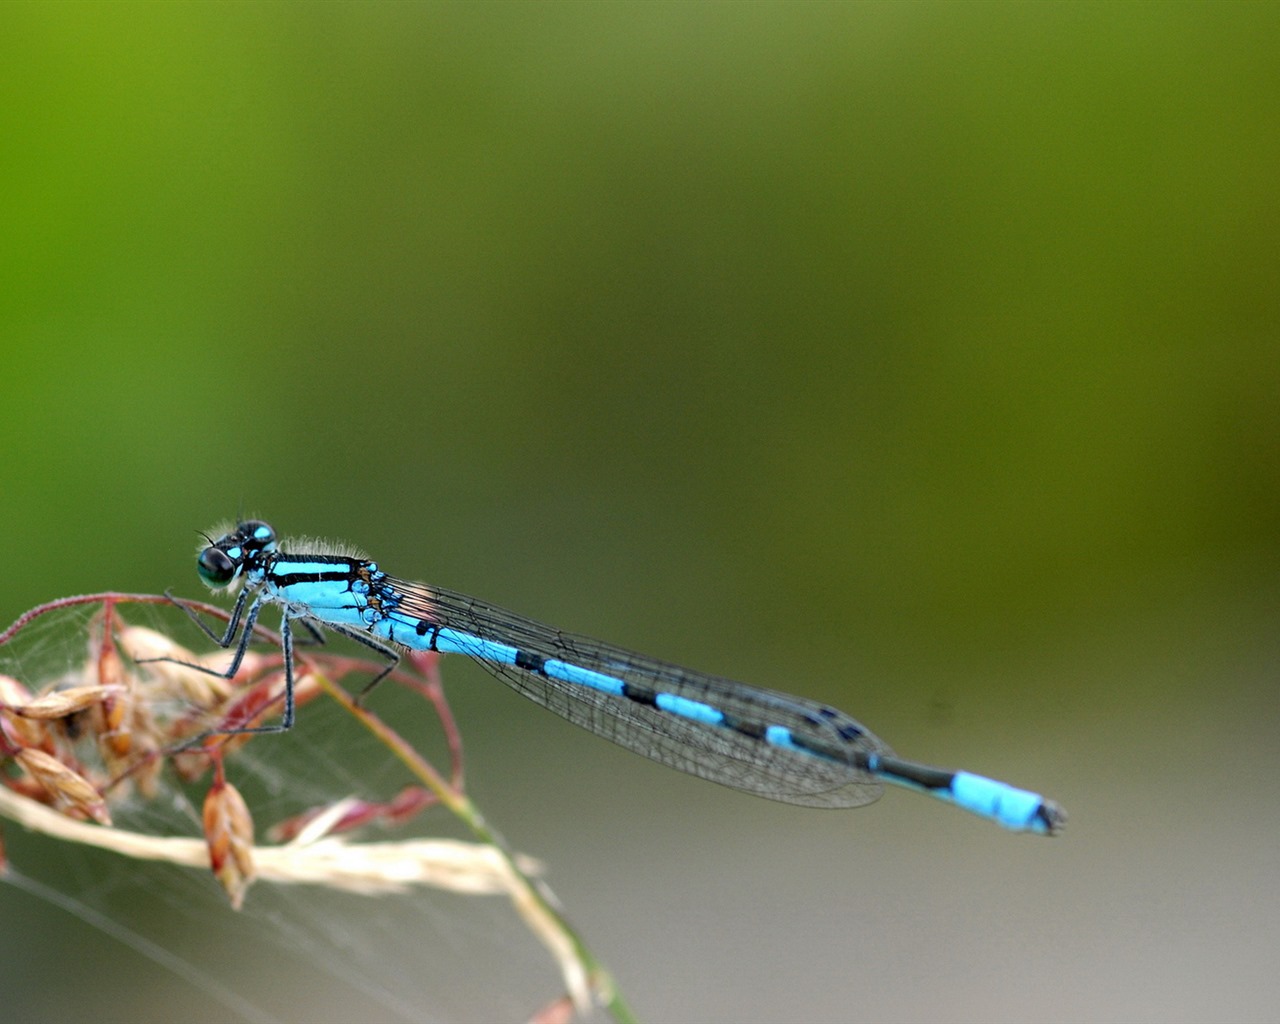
(918,358)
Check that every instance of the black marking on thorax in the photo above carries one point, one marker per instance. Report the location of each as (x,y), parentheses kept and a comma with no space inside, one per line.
(344,569)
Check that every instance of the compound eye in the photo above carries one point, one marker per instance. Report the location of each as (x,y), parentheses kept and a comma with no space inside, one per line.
(215,568)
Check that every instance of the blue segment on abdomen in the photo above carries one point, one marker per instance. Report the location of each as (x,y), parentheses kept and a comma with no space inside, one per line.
(454,641)
(686,708)
(583,676)
(1012,808)
(780,736)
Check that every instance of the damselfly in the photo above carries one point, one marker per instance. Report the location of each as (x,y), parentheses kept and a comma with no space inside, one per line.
(778,746)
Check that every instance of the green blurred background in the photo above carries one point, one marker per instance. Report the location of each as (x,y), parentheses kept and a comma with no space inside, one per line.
(921,358)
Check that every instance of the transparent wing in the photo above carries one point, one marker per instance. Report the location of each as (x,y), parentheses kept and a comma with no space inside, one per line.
(734,757)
